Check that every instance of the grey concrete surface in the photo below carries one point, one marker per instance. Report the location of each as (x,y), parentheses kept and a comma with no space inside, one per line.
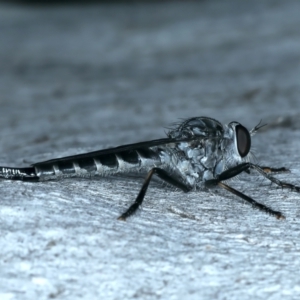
(81,78)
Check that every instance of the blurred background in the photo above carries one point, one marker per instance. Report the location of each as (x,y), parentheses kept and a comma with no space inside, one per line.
(79,75)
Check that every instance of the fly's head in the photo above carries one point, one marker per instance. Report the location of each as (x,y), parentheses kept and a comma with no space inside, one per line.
(236,144)
(242,139)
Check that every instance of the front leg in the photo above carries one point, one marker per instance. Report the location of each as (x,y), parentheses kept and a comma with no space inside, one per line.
(270,170)
(244,167)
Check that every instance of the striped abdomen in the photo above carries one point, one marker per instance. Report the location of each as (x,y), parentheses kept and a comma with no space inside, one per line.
(108,162)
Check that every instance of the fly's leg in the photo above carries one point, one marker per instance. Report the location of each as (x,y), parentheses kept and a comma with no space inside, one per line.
(275,170)
(282,184)
(246,166)
(139,199)
(260,206)
(230,173)
(271,170)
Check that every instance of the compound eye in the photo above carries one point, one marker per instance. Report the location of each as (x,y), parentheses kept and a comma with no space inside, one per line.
(243,140)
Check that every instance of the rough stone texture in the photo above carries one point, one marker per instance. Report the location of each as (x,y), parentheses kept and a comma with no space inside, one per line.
(80,78)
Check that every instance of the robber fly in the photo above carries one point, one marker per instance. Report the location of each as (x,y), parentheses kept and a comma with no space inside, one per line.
(198,153)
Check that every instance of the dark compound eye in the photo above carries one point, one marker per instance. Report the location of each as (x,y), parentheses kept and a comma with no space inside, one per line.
(243,140)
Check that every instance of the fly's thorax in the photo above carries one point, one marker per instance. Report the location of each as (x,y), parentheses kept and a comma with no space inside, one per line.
(176,158)
(193,161)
